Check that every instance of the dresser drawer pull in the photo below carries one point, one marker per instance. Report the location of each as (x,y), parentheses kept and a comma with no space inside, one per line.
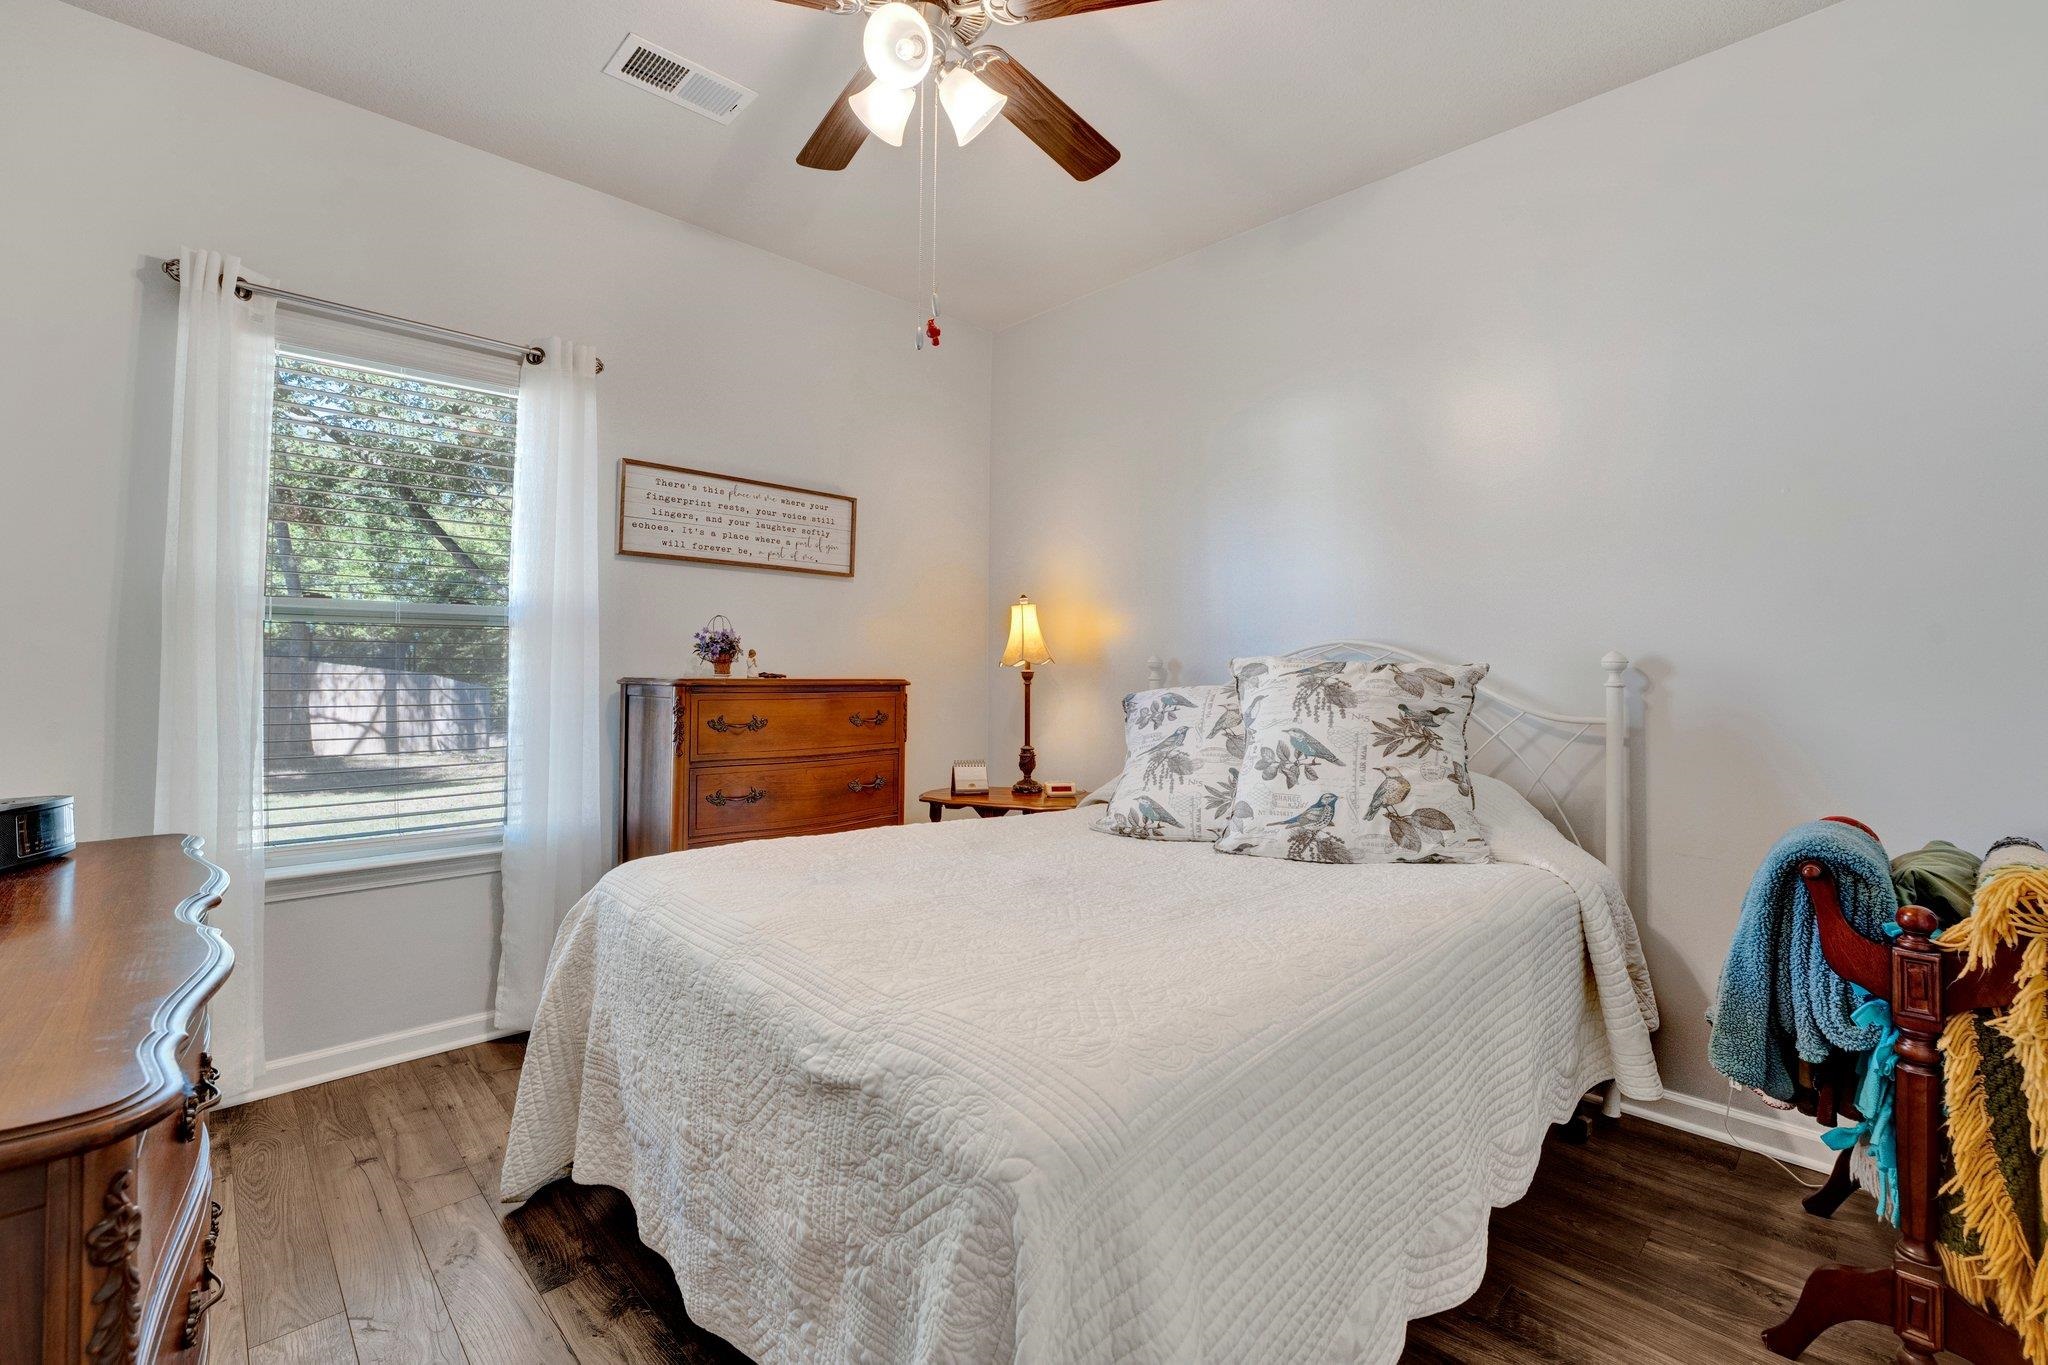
(752,725)
(750,796)
(880,718)
(204,1095)
(212,1288)
(876,785)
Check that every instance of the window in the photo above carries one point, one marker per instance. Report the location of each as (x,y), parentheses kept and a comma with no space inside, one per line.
(387,581)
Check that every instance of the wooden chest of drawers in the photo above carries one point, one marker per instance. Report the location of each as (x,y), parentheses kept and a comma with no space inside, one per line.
(718,760)
(107,1217)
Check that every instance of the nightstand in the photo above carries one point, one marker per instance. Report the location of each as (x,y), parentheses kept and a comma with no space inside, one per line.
(1000,801)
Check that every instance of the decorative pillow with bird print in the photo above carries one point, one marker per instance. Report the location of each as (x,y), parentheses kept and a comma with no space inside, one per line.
(1182,746)
(1355,763)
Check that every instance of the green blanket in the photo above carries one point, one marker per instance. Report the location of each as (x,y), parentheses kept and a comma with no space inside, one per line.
(1940,876)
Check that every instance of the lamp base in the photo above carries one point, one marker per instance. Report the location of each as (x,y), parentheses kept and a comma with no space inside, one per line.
(1027,759)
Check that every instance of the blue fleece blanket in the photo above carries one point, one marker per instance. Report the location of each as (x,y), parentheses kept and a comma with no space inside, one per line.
(1776,985)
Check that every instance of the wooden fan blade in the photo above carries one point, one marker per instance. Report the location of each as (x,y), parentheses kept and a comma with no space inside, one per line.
(834,4)
(1047,120)
(840,135)
(1060,9)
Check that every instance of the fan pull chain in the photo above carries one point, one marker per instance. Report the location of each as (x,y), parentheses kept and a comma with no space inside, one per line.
(928,210)
(921,102)
(932,326)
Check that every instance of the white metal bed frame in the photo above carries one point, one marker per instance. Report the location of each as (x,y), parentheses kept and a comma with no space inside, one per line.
(1545,755)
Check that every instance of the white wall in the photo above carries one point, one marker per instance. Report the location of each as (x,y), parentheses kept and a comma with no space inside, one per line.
(120,148)
(1739,369)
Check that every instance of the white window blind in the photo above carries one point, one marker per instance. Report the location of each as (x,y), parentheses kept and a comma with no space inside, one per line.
(386,575)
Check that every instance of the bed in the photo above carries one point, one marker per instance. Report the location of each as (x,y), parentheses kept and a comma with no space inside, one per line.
(1015,1089)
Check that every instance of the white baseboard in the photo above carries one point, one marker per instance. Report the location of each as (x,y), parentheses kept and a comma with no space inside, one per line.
(1785,1134)
(283,1074)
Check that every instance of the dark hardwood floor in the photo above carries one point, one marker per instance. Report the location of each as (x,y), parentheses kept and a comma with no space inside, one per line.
(360,1223)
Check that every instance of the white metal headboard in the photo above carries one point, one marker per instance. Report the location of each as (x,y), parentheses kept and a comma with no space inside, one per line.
(1547,756)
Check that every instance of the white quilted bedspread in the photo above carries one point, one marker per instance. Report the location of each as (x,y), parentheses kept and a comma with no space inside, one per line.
(1003,1089)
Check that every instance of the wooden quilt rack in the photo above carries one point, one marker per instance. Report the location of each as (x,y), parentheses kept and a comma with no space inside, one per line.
(1924,987)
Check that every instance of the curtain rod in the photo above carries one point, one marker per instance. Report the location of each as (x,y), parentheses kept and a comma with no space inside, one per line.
(531,355)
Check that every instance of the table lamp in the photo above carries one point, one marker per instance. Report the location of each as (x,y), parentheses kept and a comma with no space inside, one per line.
(1026,648)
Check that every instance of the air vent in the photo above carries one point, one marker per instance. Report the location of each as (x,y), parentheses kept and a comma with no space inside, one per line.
(639,62)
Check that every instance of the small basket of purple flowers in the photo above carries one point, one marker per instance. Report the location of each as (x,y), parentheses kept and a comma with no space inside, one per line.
(718,644)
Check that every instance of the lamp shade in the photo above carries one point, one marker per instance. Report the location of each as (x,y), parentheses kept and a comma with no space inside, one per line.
(885,110)
(899,45)
(970,103)
(1027,644)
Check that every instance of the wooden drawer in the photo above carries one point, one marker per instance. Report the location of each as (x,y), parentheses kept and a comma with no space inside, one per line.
(23,1230)
(750,799)
(172,1175)
(167,1167)
(193,1288)
(738,724)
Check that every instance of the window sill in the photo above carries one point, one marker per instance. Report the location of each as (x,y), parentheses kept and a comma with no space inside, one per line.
(291,881)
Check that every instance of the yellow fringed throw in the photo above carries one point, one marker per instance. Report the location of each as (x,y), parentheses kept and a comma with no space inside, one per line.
(1997,1262)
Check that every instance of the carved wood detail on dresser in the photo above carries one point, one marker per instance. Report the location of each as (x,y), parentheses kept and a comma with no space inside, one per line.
(107,1218)
(718,760)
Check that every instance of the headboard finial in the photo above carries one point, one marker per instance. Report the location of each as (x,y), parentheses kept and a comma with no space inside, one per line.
(1616,664)
(1155,673)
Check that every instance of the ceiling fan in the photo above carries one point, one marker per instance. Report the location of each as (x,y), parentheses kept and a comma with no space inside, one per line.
(907,44)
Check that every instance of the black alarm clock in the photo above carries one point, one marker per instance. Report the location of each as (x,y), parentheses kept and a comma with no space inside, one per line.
(34,828)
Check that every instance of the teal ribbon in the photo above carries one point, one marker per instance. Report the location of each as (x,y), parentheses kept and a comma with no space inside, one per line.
(1875,1091)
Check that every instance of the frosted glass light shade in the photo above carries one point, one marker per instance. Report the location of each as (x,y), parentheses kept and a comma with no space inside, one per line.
(885,110)
(970,103)
(1027,643)
(898,45)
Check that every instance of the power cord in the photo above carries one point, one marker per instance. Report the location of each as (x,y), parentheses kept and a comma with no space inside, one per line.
(1728,1127)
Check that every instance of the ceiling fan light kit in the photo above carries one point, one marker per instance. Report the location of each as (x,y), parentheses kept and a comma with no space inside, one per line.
(899,45)
(885,110)
(904,46)
(970,105)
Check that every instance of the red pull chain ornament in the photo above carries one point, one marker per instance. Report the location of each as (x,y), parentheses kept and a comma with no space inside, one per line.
(931,329)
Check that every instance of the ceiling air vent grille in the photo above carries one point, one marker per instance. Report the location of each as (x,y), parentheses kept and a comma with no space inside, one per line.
(651,68)
(639,62)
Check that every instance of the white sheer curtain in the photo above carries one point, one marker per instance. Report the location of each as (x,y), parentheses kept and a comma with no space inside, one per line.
(210,679)
(554,843)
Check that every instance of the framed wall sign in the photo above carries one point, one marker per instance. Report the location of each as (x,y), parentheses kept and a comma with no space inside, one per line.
(668,512)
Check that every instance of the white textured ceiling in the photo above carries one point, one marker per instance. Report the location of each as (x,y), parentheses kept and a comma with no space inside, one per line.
(1230,113)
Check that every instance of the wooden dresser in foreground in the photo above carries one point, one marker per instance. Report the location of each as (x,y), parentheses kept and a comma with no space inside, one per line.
(107,1219)
(718,760)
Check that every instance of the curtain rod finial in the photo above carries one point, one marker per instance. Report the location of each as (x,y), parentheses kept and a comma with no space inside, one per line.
(536,356)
